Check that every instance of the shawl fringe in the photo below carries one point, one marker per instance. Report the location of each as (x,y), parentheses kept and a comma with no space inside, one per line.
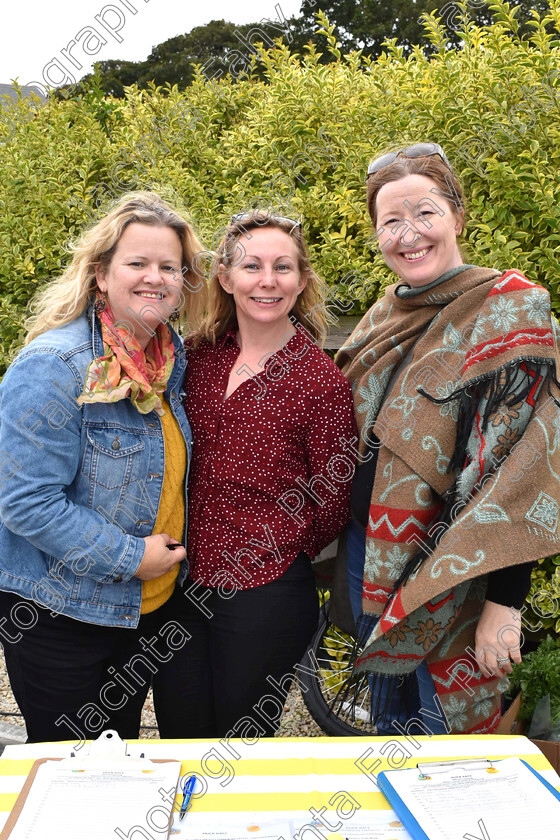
(498,388)
(497,384)
(393,698)
(392,695)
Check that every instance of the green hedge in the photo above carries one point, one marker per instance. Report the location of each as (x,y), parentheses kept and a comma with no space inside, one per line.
(217,146)
(542,607)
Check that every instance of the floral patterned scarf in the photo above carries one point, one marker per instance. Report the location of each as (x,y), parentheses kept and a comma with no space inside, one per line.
(126,370)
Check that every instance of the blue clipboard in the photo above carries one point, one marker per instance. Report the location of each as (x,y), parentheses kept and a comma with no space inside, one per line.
(401,808)
(397,804)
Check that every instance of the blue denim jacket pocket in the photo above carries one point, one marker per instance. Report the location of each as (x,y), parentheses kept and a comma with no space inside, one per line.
(112,458)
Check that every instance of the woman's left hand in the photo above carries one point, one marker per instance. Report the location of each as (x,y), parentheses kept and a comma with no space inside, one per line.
(497,639)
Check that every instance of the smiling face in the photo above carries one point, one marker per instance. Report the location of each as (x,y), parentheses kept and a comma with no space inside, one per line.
(143,280)
(417,230)
(266,282)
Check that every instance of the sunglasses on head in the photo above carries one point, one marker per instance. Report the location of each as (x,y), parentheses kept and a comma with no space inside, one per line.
(416,151)
(245,218)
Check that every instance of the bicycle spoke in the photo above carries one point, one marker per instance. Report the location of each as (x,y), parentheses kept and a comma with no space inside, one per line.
(341,700)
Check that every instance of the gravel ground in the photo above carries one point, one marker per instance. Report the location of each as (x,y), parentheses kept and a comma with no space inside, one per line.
(296,720)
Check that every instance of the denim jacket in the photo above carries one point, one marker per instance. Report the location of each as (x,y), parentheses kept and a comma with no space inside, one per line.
(79,485)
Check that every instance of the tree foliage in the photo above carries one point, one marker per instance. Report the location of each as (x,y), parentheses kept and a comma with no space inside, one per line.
(173,62)
(366,25)
(361,26)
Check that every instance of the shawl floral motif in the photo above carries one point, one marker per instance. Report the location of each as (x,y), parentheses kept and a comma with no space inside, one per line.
(126,370)
(454,381)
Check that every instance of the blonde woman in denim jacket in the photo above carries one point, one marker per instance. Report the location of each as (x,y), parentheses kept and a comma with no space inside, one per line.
(94,453)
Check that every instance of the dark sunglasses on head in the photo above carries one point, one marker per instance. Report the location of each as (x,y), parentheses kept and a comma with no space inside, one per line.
(416,151)
(240,218)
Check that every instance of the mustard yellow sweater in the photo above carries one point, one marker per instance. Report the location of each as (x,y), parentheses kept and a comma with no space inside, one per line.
(171,512)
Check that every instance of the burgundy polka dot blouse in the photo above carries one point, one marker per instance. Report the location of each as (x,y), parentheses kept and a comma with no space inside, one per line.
(271,465)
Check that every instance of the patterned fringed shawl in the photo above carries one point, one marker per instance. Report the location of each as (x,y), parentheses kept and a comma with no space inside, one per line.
(468,472)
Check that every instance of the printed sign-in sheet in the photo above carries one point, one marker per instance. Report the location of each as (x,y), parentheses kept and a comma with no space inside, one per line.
(65,802)
(507,797)
(381,825)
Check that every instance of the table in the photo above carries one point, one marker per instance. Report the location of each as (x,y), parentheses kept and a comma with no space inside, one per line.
(265,788)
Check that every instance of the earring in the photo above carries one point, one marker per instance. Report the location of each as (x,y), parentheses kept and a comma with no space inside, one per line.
(99,305)
(174,315)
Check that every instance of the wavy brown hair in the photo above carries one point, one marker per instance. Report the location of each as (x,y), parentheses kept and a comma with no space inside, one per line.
(220,315)
(65,298)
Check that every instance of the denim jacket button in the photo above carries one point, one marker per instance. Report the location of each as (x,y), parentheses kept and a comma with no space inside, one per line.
(116,445)
(127,617)
(118,579)
(173,395)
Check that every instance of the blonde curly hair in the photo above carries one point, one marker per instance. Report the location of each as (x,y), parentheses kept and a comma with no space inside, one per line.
(67,297)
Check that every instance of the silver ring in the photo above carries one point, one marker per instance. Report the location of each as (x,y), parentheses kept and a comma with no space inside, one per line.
(501,659)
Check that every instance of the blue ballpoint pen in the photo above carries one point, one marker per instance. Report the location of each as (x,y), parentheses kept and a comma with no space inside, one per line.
(188,790)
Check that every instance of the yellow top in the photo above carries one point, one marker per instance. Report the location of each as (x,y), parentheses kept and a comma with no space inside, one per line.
(171,512)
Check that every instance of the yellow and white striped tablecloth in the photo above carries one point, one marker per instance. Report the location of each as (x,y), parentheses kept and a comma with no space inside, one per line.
(288,775)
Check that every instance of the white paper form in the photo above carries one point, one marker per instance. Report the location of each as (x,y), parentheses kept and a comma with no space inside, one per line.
(510,800)
(65,802)
(365,825)
(225,826)
(370,825)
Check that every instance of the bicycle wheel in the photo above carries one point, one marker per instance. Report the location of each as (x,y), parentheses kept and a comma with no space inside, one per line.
(337,700)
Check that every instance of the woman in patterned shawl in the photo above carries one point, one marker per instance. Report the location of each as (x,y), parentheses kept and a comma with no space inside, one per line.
(456,491)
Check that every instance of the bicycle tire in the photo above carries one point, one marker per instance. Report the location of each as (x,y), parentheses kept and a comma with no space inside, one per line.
(338,701)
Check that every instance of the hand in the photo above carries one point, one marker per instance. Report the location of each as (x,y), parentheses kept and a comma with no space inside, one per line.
(497,639)
(158,559)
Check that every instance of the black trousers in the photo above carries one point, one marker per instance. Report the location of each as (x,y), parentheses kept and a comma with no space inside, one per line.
(233,675)
(74,679)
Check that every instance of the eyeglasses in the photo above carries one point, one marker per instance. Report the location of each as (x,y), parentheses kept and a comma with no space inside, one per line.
(416,151)
(240,218)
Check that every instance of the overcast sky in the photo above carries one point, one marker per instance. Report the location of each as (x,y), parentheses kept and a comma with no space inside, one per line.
(36,31)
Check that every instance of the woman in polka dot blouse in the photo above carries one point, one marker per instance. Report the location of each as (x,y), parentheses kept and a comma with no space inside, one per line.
(273,457)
